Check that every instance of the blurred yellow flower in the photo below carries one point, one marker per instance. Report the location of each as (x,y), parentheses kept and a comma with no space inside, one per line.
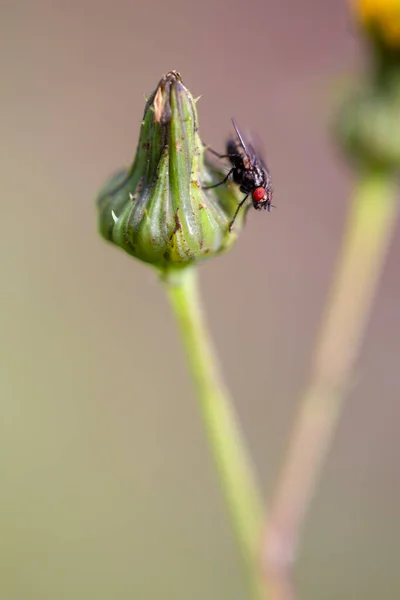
(384,15)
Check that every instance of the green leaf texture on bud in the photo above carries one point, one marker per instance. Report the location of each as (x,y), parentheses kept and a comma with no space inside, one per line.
(158,210)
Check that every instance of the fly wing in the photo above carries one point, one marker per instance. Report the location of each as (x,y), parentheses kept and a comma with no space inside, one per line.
(256,151)
(247,147)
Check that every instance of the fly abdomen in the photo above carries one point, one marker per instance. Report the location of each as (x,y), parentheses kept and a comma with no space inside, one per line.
(233,150)
(237,176)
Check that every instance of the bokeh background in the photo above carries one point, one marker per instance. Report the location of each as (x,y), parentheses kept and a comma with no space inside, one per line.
(107,487)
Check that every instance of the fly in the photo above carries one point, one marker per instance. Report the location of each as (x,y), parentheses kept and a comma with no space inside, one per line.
(248,171)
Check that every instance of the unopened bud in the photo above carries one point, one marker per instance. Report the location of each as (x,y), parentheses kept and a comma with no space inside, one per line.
(158,210)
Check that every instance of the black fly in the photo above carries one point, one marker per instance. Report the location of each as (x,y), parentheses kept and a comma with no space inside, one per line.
(248,171)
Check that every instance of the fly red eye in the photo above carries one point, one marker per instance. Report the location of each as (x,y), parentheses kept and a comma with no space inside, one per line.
(258,194)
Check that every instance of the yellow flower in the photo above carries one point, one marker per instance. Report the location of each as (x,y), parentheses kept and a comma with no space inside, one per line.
(382,15)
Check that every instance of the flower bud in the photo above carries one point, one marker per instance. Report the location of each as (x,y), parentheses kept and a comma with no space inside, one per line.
(368,124)
(158,210)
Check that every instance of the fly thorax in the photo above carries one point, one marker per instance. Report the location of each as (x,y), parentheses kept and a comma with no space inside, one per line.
(258,177)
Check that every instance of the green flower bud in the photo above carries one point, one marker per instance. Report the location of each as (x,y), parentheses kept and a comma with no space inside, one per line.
(368,126)
(158,210)
(368,123)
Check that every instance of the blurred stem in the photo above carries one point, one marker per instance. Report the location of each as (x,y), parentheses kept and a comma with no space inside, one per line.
(370,227)
(235,471)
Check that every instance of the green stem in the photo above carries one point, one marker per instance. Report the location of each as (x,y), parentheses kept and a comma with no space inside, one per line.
(235,471)
(370,226)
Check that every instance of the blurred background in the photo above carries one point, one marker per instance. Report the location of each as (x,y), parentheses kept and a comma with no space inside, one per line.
(107,486)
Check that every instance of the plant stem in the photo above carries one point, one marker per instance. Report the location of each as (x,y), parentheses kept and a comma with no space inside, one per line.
(370,227)
(235,470)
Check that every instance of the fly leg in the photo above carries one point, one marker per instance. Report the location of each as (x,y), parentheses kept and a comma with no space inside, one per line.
(220,155)
(237,210)
(208,149)
(225,179)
